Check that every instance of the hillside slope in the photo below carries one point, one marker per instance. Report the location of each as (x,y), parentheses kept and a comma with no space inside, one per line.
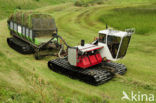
(9,6)
(23,79)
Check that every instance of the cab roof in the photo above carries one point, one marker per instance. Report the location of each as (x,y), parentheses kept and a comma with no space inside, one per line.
(114,33)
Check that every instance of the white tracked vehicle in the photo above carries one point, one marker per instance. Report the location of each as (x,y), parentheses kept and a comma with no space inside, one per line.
(92,63)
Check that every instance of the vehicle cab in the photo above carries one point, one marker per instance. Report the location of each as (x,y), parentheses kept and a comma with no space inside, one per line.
(115,43)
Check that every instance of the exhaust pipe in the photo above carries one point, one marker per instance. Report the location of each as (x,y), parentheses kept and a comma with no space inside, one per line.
(82,42)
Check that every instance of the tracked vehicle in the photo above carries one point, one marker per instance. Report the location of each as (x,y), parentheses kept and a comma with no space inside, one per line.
(33,33)
(93,63)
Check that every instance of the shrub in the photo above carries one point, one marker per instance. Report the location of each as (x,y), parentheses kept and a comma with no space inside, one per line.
(78,3)
(18,7)
(88,2)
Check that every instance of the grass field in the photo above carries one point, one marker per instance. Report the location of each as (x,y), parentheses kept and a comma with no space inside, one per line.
(9,6)
(25,80)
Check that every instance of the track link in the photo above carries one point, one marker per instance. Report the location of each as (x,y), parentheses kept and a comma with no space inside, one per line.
(19,45)
(117,67)
(94,75)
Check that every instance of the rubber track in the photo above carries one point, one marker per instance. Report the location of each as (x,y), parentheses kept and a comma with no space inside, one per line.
(95,75)
(118,68)
(19,45)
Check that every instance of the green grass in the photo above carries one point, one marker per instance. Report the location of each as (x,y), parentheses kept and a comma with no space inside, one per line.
(88,2)
(141,18)
(7,7)
(23,79)
(122,2)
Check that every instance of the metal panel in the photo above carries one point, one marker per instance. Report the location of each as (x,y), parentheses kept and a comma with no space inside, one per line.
(11,25)
(72,56)
(19,29)
(15,27)
(23,30)
(27,32)
(43,24)
(31,36)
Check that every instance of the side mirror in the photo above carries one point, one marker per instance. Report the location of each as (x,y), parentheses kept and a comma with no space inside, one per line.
(130,31)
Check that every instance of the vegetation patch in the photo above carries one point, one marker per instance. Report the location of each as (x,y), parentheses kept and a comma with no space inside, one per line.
(141,18)
(75,23)
(88,2)
(7,7)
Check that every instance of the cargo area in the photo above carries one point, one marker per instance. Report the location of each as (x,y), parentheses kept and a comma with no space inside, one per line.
(35,27)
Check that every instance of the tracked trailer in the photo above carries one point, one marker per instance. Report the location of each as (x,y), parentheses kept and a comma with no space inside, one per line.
(93,63)
(33,33)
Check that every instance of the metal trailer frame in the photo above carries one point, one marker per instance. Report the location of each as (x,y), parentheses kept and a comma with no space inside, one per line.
(26,35)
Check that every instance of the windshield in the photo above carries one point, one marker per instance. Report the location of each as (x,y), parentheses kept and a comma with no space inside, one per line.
(124,46)
(113,44)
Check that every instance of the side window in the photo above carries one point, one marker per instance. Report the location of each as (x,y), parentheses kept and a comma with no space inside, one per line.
(102,38)
(113,45)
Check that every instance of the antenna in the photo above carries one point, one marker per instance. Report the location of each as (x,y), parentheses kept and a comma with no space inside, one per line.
(106,26)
